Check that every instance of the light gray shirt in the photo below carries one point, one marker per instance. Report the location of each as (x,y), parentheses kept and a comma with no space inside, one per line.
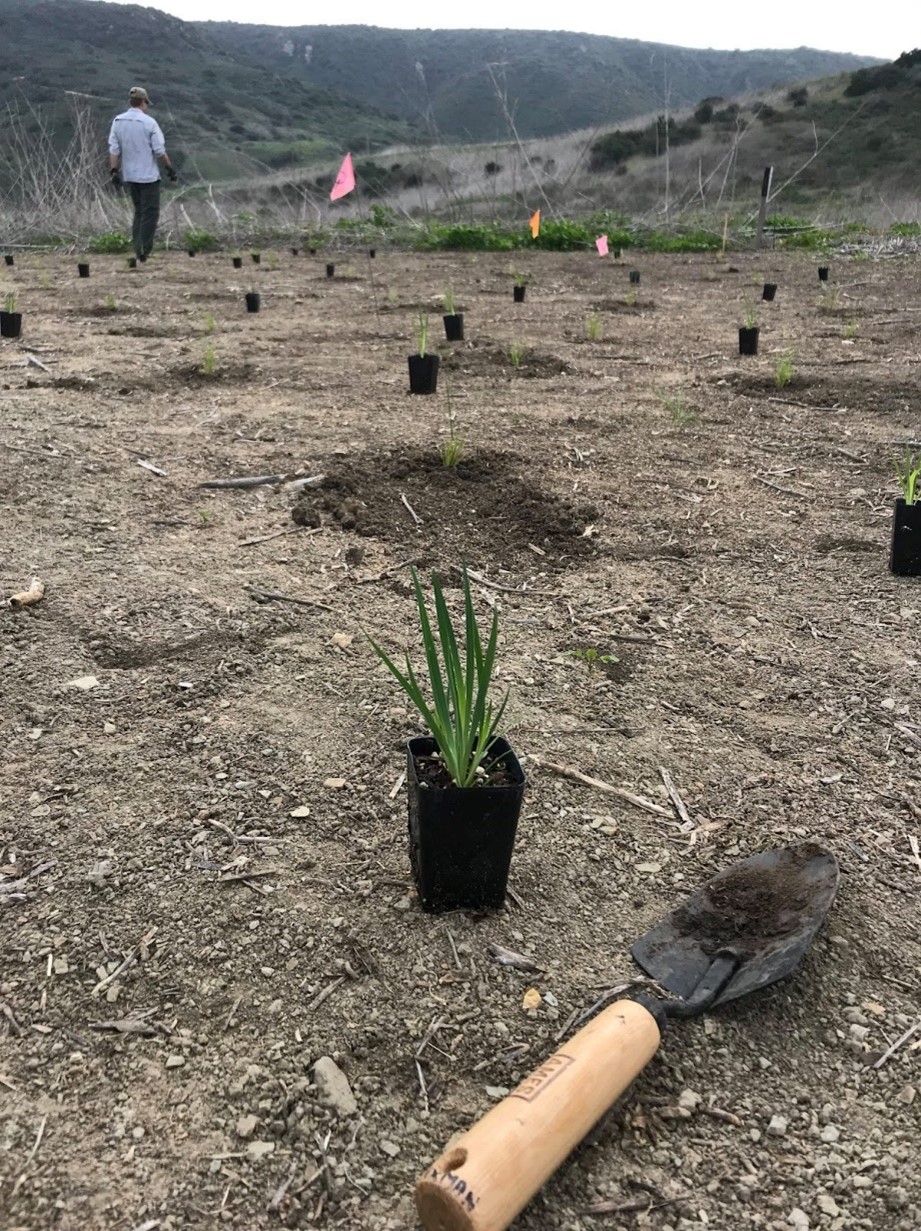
(137,141)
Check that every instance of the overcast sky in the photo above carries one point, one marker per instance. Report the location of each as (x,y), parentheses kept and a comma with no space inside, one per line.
(887,28)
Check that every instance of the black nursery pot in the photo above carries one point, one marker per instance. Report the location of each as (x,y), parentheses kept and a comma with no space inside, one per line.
(8,258)
(10,324)
(423,373)
(237,262)
(748,341)
(634,277)
(616,254)
(330,271)
(518,293)
(83,269)
(257,257)
(461,838)
(252,301)
(295,251)
(823,273)
(191,251)
(454,326)
(132,262)
(770,290)
(905,557)
(372,253)
(312,251)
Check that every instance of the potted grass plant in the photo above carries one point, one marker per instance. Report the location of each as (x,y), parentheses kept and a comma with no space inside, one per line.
(465,784)
(83,269)
(521,285)
(253,301)
(8,258)
(330,270)
(634,277)
(10,320)
(423,367)
(905,556)
(748,333)
(237,261)
(768,291)
(454,320)
(823,273)
(256,258)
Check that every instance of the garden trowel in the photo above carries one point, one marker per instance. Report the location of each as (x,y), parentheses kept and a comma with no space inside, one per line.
(745,929)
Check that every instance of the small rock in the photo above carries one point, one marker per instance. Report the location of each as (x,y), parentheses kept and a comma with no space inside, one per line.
(175,1062)
(531,999)
(896,1198)
(343,640)
(828,1205)
(830,1133)
(301,811)
(798,1218)
(334,784)
(777,1126)
(246,1126)
(907,1095)
(108,728)
(333,1087)
(859,1033)
(689,1100)
(259,1149)
(390,1148)
(83,682)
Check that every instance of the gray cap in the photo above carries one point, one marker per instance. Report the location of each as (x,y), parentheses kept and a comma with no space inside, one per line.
(137,93)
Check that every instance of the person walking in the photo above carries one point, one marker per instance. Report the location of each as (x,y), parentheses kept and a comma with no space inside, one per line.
(137,150)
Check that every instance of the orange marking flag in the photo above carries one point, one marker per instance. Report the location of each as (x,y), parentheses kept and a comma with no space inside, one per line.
(535,224)
(345,180)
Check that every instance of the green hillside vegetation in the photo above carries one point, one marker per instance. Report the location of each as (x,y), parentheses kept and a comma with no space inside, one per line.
(553,82)
(221,113)
(863,129)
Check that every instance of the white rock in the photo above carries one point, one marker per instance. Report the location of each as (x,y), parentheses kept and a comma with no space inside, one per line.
(333,1087)
(777,1126)
(689,1100)
(246,1126)
(830,1133)
(828,1205)
(798,1218)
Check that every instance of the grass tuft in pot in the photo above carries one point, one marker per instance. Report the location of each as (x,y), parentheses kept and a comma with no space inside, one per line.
(10,319)
(905,556)
(460,716)
(423,367)
(453,320)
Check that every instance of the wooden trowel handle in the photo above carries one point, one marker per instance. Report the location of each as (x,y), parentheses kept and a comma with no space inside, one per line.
(490,1173)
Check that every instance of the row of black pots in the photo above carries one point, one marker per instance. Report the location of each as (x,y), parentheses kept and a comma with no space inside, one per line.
(461,838)
(10,324)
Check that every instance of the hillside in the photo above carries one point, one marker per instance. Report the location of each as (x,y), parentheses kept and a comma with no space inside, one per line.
(224,111)
(554,82)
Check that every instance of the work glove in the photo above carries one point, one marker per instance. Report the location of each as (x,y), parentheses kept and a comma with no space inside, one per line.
(115,177)
(171,174)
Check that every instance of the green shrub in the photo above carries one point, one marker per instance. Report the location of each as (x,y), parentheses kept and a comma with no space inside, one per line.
(199,240)
(110,242)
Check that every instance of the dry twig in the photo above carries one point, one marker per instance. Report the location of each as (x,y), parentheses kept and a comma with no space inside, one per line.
(638,801)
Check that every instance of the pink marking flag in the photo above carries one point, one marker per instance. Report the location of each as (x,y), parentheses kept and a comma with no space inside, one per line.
(601,243)
(345,180)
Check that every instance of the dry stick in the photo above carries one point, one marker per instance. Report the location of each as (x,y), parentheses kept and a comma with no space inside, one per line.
(129,961)
(638,801)
(327,991)
(277,534)
(269,596)
(153,469)
(897,1044)
(259,480)
(680,806)
(25,1167)
(787,491)
(412,512)
(806,405)
(494,585)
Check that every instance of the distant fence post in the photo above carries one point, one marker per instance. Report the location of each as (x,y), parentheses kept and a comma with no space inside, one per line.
(762,209)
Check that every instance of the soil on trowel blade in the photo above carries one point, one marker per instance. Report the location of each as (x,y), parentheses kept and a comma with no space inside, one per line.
(753,907)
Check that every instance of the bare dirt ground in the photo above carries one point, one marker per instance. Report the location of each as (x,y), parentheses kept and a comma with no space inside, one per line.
(735,563)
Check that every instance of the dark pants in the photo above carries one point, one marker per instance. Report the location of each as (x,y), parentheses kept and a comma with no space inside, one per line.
(146,199)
